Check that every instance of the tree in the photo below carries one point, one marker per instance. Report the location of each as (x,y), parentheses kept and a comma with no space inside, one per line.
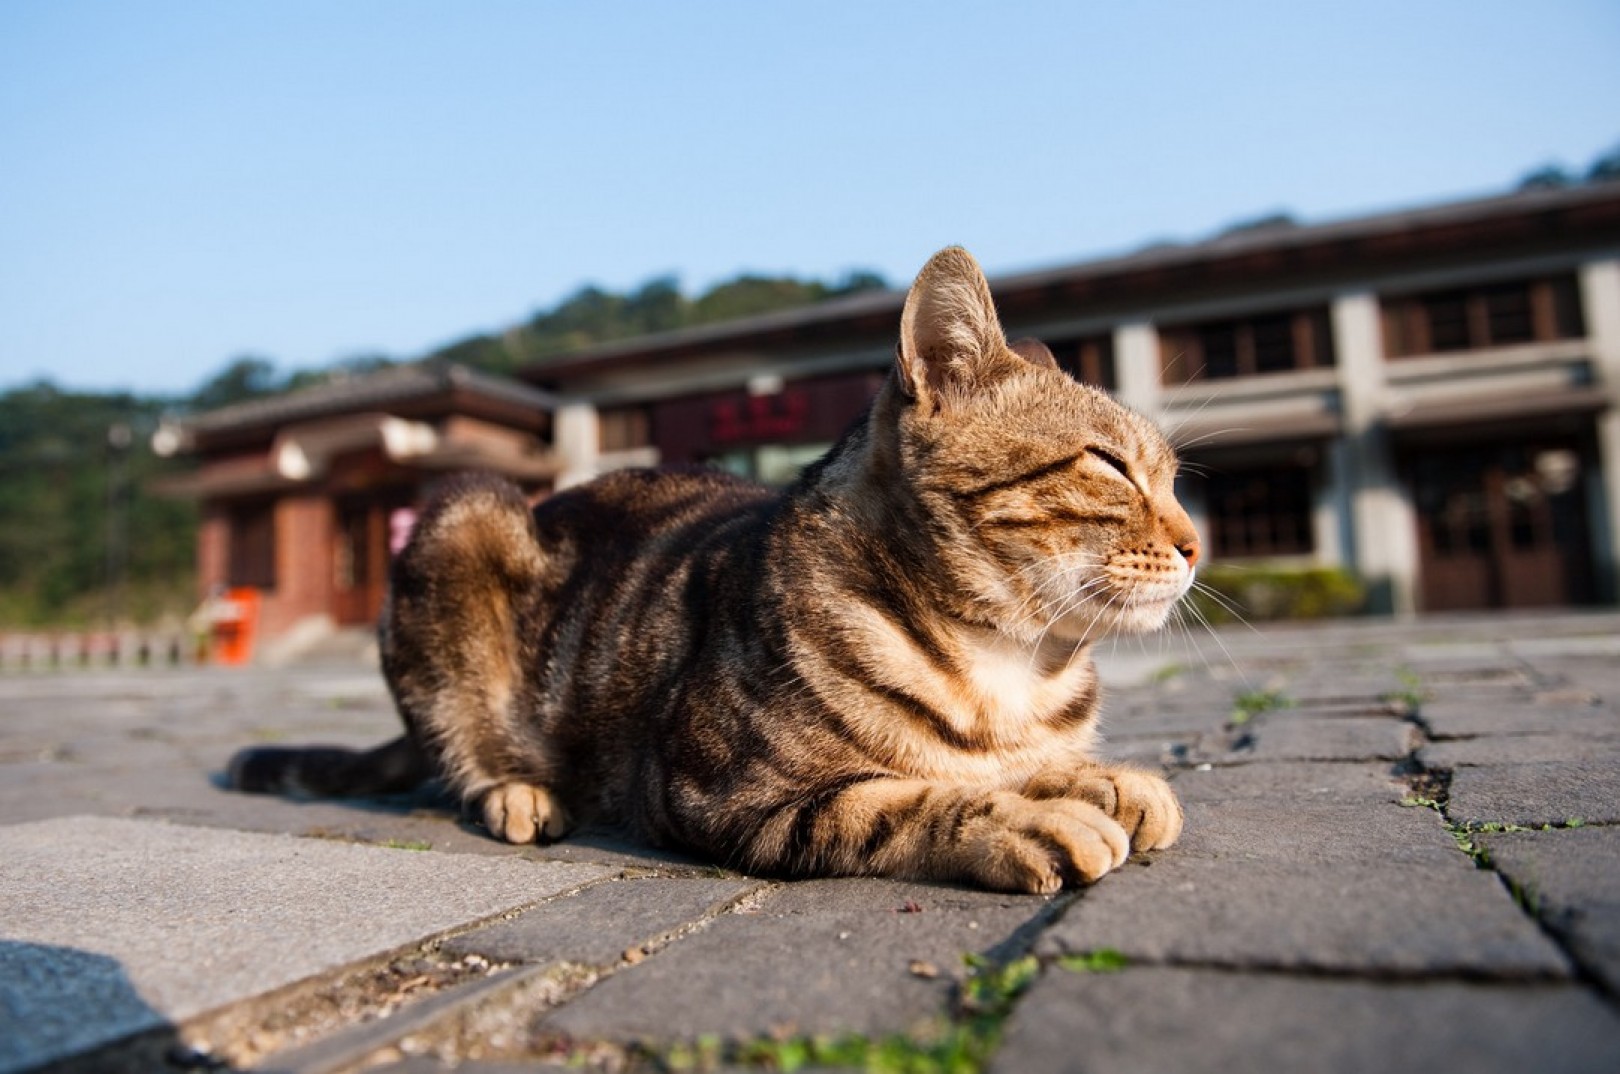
(245,377)
(1606,168)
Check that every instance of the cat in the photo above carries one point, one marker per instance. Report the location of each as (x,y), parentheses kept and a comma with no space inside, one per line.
(883,670)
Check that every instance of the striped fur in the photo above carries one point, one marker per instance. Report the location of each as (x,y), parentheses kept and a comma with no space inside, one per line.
(884,670)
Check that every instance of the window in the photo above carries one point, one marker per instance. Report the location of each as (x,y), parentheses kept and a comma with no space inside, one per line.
(1497,315)
(623,428)
(1245,347)
(252,559)
(1260,511)
(1089,360)
(770,464)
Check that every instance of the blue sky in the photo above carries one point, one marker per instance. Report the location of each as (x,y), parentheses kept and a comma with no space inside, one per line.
(185,182)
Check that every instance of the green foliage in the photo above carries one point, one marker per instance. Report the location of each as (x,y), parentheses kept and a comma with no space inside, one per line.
(1251,703)
(406,844)
(75,481)
(243,378)
(67,497)
(1252,594)
(961,1046)
(1102,960)
(1553,176)
(592,315)
(1412,693)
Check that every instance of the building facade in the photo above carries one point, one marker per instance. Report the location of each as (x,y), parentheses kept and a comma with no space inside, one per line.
(306,496)
(1429,398)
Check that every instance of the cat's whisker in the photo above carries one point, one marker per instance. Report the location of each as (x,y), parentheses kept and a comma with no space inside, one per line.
(1231,606)
(1215,634)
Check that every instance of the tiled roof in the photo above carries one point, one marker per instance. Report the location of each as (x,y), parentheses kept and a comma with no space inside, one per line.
(369,391)
(1235,242)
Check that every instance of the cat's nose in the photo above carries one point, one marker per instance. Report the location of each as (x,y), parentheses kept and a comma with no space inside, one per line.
(1188,547)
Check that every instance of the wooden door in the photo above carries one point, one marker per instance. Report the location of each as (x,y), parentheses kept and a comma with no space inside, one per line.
(360,559)
(1502,526)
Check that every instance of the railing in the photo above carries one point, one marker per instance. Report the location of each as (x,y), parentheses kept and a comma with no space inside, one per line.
(68,650)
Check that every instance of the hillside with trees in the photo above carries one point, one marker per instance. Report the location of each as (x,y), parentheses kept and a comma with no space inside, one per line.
(85,538)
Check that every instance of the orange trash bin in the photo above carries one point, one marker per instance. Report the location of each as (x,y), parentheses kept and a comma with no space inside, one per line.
(235,622)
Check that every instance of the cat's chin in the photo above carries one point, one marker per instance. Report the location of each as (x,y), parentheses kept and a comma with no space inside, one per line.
(1138,617)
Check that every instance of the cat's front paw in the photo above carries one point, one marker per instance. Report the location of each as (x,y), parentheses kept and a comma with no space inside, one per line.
(1019,844)
(1142,802)
(1147,808)
(519,812)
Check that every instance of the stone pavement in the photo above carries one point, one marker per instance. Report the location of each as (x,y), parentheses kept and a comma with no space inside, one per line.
(1402,848)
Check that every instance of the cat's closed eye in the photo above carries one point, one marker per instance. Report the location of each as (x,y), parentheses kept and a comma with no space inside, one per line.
(1111,459)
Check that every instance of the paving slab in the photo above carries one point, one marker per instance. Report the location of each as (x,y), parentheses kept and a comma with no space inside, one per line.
(1154,752)
(1517,749)
(1536,793)
(750,975)
(1293,783)
(1447,718)
(1301,900)
(187,920)
(595,927)
(880,896)
(1333,834)
(1124,718)
(1318,686)
(1375,917)
(1570,878)
(1290,736)
(1189,1021)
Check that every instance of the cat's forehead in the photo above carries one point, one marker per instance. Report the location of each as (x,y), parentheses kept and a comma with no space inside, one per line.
(1052,407)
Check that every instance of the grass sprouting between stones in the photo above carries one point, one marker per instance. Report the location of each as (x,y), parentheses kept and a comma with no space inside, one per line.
(1251,703)
(1464,834)
(406,844)
(1412,693)
(1102,960)
(962,1044)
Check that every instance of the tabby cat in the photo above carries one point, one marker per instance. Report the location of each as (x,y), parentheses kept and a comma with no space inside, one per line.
(884,670)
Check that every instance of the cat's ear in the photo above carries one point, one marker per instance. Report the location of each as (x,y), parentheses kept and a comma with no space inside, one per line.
(950,338)
(1034,352)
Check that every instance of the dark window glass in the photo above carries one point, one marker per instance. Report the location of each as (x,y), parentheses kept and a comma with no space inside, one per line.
(1219,342)
(1507,312)
(1498,315)
(1260,511)
(1448,321)
(1273,344)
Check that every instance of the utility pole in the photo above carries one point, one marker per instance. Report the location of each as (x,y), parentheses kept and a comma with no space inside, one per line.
(119,438)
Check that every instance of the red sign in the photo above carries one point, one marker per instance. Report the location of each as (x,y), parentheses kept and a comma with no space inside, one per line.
(759,417)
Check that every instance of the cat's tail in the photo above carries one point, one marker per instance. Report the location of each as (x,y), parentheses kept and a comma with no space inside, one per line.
(329,771)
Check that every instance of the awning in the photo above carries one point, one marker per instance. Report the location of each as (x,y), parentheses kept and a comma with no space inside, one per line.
(1452,412)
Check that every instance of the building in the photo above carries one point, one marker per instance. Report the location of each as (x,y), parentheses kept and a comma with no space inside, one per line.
(1430,398)
(304,496)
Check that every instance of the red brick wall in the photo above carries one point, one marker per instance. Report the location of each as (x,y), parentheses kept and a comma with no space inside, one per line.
(213,551)
(303,564)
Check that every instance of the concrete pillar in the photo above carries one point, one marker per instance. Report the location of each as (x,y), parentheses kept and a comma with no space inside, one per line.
(1383,529)
(1136,367)
(577,441)
(1600,301)
(1331,508)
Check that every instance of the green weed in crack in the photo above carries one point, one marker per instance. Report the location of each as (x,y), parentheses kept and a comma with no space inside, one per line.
(1102,960)
(961,1044)
(1251,703)
(1466,833)
(1411,695)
